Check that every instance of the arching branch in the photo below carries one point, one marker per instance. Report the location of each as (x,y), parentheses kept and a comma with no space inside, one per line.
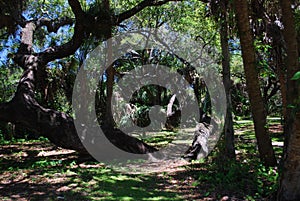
(139,7)
(58,52)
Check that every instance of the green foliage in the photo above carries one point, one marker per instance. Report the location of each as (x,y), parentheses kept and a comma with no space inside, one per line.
(296,76)
(191,17)
(9,78)
(51,9)
(46,163)
(297,19)
(248,179)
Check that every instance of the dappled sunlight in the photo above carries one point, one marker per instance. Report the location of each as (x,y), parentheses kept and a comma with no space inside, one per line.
(38,170)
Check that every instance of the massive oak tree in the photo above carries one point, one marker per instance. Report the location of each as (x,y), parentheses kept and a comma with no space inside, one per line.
(24,109)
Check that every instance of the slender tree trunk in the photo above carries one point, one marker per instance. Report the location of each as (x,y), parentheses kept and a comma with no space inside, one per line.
(228,128)
(289,189)
(109,122)
(282,80)
(265,148)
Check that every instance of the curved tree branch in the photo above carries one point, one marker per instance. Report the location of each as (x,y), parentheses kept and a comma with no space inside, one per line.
(58,52)
(139,7)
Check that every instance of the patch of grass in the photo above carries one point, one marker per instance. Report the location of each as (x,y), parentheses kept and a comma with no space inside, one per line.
(63,177)
(160,139)
(105,184)
(20,140)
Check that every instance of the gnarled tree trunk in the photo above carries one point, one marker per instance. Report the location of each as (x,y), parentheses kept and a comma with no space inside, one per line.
(57,126)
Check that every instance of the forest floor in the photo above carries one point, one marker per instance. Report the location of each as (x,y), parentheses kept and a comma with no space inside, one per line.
(37,170)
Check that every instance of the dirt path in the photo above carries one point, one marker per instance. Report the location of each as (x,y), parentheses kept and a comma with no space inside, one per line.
(40,171)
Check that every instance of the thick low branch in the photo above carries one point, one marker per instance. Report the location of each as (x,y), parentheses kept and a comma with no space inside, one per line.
(58,127)
(25,110)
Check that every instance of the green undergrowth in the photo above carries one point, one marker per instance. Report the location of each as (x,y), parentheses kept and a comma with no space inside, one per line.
(244,177)
(245,180)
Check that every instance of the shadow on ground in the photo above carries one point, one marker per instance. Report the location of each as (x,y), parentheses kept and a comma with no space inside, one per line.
(40,171)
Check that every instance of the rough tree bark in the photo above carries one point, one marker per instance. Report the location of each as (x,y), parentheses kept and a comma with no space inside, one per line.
(289,189)
(265,148)
(23,109)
